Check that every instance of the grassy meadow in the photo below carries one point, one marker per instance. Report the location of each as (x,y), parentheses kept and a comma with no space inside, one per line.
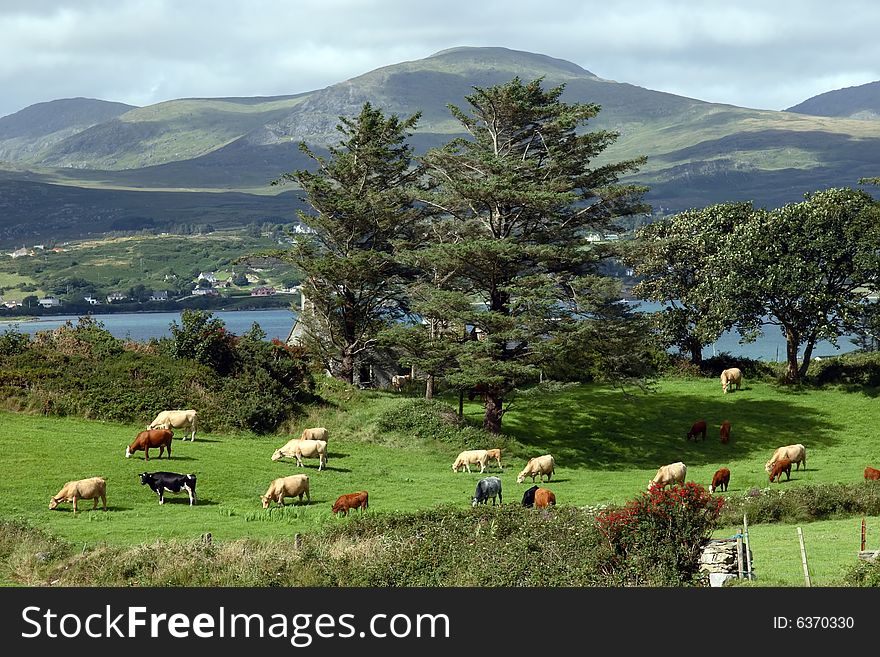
(607,446)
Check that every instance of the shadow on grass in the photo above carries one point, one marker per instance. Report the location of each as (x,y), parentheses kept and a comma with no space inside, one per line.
(598,428)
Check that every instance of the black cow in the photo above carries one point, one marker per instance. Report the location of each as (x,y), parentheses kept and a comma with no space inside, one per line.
(486,488)
(171,482)
(528,500)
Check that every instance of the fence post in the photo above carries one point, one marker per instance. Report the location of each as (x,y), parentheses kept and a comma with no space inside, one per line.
(864,531)
(748,547)
(739,559)
(804,557)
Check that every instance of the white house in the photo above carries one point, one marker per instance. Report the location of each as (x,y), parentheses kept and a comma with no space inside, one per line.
(49,302)
(159,296)
(92,300)
(115,297)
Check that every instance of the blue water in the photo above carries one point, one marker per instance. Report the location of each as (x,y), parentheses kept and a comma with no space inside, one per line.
(277,324)
(141,327)
(769,347)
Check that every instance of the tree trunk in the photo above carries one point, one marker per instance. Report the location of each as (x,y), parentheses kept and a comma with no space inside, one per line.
(696,350)
(346,368)
(429,387)
(791,347)
(494,410)
(808,353)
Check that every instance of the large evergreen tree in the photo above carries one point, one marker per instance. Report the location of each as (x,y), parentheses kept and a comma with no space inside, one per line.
(362,200)
(519,196)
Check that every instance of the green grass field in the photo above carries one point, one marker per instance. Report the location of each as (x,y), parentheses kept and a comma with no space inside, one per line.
(607,446)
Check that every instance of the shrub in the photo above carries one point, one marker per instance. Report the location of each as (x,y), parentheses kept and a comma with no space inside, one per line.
(861,369)
(431,419)
(803,503)
(863,574)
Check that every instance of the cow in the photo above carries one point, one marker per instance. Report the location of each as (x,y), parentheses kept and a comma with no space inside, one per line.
(528,499)
(486,488)
(872,474)
(544,497)
(177,420)
(171,482)
(470,457)
(344,503)
(298,448)
(400,380)
(698,428)
(729,377)
(780,466)
(160,438)
(315,433)
(725,432)
(797,454)
(495,454)
(720,480)
(667,475)
(538,467)
(292,486)
(93,488)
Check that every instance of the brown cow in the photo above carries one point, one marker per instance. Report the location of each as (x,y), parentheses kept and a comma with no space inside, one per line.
(348,501)
(160,438)
(782,465)
(698,428)
(494,454)
(725,432)
(872,473)
(720,479)
(544,497)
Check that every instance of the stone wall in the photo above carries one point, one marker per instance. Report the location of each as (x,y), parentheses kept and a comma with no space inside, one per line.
(718,560)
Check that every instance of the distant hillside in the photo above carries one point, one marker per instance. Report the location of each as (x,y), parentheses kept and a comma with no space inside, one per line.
(26,135)
(861,102)
(699,153)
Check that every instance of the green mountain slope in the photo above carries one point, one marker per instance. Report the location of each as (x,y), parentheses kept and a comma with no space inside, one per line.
(861,102)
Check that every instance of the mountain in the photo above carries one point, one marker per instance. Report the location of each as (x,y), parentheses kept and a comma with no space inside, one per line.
(698,152)
(861,102)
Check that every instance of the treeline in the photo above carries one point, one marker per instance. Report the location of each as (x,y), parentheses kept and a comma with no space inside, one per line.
(237,383)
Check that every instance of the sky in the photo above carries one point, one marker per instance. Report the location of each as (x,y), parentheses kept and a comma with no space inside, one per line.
(763,54)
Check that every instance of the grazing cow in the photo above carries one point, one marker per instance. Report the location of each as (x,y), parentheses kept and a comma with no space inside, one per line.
(292,486)
(729,377)
(495,454)
(177,420)
(720,480)
(486,488)
(667,475)
(298,448)
(93,488)
(315,433)
(171,482)
(871,473)
(725,432)
(544,497)
(538,467)
(160,438)
(780,466)
(470,457)
(399,380)
(698,428)
(528,499)
(344,503)
(794,453)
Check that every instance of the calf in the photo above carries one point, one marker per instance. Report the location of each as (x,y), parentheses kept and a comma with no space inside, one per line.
(698,428)
(292,486)
(871,473)
(94,488)
(544,497)
(720,479)
(725,432)
(344,503)
(171,482)
(528,499)
(782,465)
(494,454)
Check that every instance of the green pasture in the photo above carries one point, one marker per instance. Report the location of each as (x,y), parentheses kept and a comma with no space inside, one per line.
(607,446)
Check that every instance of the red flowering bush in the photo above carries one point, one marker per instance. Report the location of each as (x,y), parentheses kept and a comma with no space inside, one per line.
(655,539)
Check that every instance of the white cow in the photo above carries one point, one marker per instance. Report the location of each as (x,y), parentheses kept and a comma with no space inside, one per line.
(298,448)
(176,420)
(668,475)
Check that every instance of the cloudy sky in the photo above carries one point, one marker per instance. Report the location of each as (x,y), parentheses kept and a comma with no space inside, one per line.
(764,54)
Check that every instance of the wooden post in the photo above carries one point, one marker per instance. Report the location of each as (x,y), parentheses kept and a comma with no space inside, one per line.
(804,557)
(460,404)
(864,531)
(739,558)
(748,547)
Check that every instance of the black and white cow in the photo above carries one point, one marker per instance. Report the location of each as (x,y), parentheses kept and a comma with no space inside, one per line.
(171,482)
(486,488)
(528,500)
